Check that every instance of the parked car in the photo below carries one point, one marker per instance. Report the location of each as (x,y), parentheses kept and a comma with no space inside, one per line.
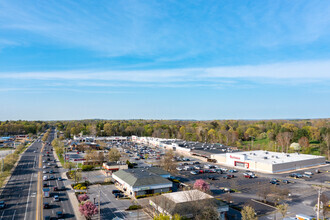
(232,171)
(2,204)
(45,185)
(59,214)
(55,188)
(306,175)
(212,178)
(226,177)
(116,191)
(59,179)
(193,172)
(46,205)
(286,181)
(231,176)
(56,198)
(274,183)
(179,168)
(119,195)
(293,175)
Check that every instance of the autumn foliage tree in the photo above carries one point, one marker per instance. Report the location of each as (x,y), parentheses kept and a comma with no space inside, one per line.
(88,209)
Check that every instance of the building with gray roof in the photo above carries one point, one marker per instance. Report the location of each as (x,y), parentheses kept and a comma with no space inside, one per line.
(142,181)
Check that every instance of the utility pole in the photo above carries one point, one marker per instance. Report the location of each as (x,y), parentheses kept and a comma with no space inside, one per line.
(318,204)
(99,202)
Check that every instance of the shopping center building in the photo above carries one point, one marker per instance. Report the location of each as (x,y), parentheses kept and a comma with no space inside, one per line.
(268,162)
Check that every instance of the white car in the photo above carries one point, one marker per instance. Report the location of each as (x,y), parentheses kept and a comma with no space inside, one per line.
(193,172)
(179,168)
(44,167)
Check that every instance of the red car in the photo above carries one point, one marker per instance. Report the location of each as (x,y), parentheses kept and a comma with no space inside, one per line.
(201,171)
(248,176)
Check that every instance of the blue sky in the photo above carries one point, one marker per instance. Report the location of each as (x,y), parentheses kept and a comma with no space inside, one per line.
(164,59)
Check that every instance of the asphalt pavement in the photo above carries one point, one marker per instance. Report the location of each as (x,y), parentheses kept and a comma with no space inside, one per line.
(63,205)
(19,194)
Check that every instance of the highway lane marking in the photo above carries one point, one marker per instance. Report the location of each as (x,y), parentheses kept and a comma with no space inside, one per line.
(28,198)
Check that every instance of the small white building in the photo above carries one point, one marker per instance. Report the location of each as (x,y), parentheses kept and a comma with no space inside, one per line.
(268,162)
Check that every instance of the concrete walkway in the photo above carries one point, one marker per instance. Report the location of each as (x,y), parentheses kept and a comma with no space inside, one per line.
(71,194)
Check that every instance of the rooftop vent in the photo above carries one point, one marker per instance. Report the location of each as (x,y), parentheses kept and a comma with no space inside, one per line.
(266,152)
(265,158)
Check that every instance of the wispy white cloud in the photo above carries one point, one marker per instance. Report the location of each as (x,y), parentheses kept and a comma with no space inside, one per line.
(303,72)
(162,31)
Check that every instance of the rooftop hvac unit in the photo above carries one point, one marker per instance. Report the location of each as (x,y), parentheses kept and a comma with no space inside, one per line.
(265,158)
(266,152)
(288,155)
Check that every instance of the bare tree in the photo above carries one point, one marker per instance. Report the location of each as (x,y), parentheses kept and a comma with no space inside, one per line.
(287,139)
(326,138)
(167,161)
(326,203)
(303,142)
(263,192)
(114,155)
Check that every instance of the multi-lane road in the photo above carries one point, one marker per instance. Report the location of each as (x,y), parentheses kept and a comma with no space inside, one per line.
(63,205)
(20,193)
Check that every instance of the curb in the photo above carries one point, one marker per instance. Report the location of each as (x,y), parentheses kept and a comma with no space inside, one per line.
(263,203)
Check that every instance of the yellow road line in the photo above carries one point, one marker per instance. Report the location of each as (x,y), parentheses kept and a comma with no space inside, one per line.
(39,211)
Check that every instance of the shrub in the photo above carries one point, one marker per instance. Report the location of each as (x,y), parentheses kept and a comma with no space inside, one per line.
(83,198)
(87,168)
(134,207)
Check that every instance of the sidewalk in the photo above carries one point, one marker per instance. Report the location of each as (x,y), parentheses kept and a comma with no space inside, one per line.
(71,193)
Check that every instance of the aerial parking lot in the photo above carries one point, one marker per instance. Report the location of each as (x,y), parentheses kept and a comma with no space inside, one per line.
(240,186)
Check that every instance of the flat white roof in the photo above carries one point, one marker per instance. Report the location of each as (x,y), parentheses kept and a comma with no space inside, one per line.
(187,196)
(275,157)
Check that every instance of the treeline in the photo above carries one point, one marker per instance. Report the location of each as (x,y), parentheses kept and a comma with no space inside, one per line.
(227,132)
(313,135)
(22,127)
(268,134)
